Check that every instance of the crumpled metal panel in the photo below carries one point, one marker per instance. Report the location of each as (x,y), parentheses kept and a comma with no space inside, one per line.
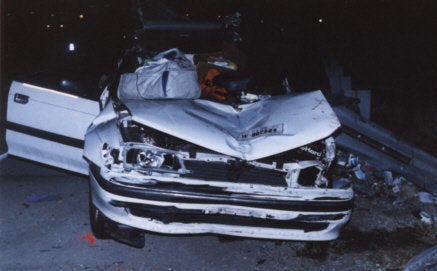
(249,132)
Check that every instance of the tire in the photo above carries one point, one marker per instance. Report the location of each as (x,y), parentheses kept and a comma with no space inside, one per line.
(97,221)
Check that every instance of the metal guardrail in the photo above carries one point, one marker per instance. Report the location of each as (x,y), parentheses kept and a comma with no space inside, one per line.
(385,150)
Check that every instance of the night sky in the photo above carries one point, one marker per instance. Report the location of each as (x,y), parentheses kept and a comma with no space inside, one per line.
(386,46)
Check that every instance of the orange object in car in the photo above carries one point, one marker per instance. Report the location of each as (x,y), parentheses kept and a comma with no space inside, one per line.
(209,89)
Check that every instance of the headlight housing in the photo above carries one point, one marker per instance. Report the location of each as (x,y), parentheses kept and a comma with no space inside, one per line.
(147,159)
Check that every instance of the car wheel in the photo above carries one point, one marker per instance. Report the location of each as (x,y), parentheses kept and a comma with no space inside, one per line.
(97,221)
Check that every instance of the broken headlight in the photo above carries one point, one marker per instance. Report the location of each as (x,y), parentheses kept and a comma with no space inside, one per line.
(150,151)
(147,159)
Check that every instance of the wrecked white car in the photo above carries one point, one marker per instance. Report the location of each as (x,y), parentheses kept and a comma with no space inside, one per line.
(163,159)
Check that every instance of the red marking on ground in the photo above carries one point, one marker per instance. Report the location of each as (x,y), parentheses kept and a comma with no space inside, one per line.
(88,237)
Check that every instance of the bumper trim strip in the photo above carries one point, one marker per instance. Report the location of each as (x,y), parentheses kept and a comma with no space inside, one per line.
(202,197)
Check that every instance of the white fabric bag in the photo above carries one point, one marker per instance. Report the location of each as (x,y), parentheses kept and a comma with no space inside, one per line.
(170,75)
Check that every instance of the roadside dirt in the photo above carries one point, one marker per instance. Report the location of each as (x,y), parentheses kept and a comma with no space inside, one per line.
(380,236)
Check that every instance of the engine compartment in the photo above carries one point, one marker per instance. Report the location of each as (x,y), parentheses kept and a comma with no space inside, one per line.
(150,152)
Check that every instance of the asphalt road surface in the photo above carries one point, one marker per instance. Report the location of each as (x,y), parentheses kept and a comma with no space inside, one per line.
(44,226)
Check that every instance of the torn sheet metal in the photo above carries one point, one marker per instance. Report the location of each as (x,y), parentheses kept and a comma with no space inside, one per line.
(239,210)
(250,131)
(197,166)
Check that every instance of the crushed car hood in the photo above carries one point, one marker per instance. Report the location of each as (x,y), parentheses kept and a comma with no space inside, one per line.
(249,132)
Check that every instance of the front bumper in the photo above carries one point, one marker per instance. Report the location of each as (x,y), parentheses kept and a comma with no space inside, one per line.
(188,206)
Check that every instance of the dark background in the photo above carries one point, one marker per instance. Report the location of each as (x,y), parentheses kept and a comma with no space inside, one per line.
(388,47)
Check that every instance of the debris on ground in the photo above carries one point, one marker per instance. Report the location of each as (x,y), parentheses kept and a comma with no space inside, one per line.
(370,181)
(427,218)
(393,218)
(35,198)
(426,197)
(88,237)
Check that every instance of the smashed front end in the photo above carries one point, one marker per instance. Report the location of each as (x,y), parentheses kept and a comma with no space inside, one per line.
(195,166)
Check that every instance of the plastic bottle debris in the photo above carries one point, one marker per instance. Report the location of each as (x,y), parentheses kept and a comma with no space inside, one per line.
(388,177)
(397,183)
(353,160)
(359,174)
(367,180)
(399,180)
(426,197)
(426,218)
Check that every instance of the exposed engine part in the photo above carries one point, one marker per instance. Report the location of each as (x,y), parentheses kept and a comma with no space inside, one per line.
(152,151)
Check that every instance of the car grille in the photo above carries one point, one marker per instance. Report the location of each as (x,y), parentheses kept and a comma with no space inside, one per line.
(242,173)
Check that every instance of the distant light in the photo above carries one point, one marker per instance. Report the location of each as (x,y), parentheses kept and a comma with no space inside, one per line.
(320,20)
(52,15)
(262,21)
(81,16)
(61,26)
(71,47)
(48,26)
(187,14)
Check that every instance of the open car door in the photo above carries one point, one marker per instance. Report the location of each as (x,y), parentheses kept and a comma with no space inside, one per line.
(48,126)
